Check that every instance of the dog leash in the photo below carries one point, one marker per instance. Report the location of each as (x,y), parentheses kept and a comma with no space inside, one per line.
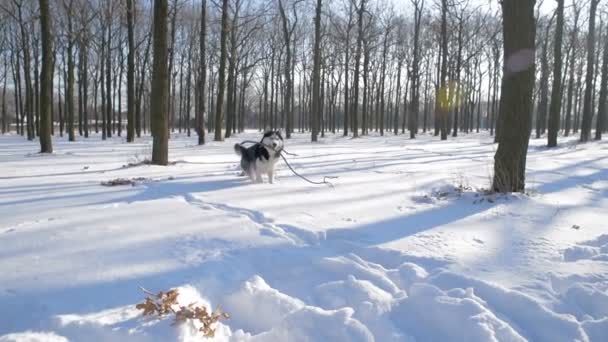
(257,142)
(325,181)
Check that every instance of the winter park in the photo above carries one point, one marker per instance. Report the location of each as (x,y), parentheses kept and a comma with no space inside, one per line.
(303,170)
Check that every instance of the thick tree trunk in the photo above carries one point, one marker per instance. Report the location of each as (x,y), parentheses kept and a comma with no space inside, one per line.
(287,110)
(108,70)
(516,96)
(230,97)
(601,114)
(587,101)
(556,90)
(541,115)
(571,77)
(46,78)
(200,115)
(85,87)
(69,96)
(5,125)
(354,115)
(443,105)
(415,86)
(346,90)
(219,109)
(130,73)
(160,146)
(316,74)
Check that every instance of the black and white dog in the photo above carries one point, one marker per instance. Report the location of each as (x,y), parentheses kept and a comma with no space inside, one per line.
(261,157)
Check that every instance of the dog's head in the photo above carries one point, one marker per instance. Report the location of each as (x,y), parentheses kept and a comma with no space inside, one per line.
(273,140)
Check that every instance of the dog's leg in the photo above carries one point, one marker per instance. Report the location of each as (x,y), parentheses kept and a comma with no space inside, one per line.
(258,178)
(270,176)
(251,175)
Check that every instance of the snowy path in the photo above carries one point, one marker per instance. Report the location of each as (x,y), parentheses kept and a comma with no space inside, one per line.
(402,248)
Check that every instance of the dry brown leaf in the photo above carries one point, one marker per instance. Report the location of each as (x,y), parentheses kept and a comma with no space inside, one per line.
(162,304)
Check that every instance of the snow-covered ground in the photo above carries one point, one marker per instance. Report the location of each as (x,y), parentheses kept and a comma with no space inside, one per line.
(404,247)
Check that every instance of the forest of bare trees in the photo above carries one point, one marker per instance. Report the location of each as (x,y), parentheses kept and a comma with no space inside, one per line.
(353,67)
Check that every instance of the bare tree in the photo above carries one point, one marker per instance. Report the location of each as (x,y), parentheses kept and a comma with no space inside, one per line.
(131,73)
(601,114)
(516,96)
(200,115)
(556,91)
(415,75)
(354,113)
(46,78)
(316,73)
(587,101)
(160,146)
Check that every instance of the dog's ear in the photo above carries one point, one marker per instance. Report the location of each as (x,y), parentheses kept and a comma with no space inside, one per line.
(279,134)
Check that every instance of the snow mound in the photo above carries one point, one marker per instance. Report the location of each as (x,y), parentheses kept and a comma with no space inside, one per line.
(575,253)
(351,264)
(596,249)
(407,274)
(352,292)
(587,300)
(316,324)
(263,313)
(432,314)
(30,336)
(257,307)
(534,320)
(597,330)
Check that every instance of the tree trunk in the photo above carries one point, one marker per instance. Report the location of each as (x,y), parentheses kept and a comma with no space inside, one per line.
(316,75)
(69,96)
(572,79)
(354,115)
(46,78)
(230,98)
(601,114)
(108,70)
(5,126)
(556,90)
(541,115)
(442,109)
(200,115)
(287,110)
(219,106)
(415,86)
(160,146)
(587,102)
(130,73)
(516,96)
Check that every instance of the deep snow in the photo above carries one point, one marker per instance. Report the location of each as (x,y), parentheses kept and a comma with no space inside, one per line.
(404,247)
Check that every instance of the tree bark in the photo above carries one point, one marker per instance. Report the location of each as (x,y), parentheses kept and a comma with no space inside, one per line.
(601,114)
(219,106)
(354,115)
(587,101)
(160,146)
(200,115)
(571,77)
(415,86)
(316,75)
(516,96)
(442,108)
(556,90)
(130,73)
(46,78)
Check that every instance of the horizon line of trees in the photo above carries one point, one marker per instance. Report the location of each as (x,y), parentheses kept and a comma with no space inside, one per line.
(343,66)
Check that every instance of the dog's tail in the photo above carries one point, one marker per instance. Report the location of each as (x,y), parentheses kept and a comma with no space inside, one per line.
(239,149)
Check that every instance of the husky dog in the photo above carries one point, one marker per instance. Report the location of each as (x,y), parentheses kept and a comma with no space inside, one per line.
(261,157)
